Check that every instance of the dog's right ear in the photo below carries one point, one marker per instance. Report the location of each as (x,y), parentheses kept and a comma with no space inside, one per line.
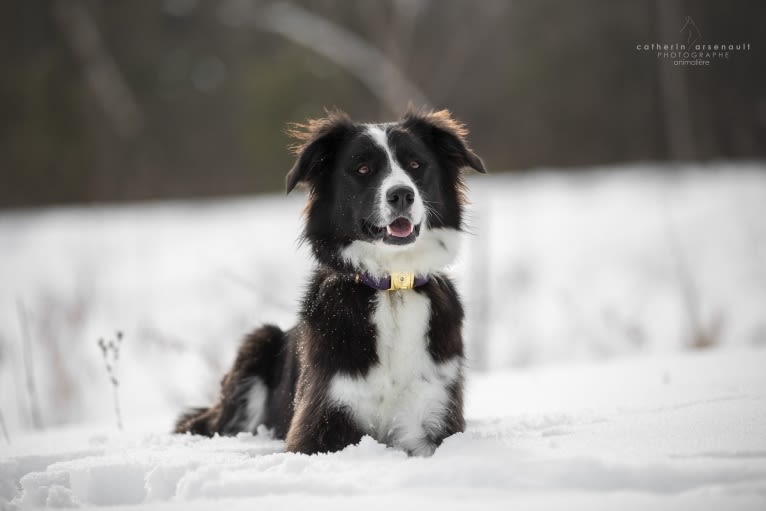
(316,142)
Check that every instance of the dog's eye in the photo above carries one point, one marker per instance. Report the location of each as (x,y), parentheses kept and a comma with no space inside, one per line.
(414,164)
(363,169)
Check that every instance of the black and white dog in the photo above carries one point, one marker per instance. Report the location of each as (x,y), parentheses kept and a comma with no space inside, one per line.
(378,350)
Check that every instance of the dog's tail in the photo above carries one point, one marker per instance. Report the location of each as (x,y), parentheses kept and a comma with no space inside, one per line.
(244,390)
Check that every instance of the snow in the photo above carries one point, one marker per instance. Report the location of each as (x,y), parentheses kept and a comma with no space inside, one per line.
(587,295)
(682,431)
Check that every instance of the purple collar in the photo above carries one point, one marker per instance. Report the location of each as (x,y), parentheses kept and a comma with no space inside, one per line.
(393,282)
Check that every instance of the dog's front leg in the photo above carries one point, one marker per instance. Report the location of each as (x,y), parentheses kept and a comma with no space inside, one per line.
(318,427)
(426,424)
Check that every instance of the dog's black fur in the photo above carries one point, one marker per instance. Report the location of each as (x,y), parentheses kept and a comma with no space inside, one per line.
(339,333)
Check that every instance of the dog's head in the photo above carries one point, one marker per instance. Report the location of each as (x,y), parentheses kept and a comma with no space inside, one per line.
(383,197)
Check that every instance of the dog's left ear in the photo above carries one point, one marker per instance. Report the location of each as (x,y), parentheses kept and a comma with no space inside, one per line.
(315,145)
(446,134)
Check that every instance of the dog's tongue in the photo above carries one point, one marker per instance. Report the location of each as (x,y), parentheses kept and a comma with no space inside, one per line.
(400,228)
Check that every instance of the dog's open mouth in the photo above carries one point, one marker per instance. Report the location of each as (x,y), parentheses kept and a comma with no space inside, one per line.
(400,228)
(399,232)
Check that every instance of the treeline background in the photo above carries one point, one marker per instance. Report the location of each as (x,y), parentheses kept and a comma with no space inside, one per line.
(126,100)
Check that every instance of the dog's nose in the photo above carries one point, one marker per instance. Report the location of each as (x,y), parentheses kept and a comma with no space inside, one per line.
(400,197)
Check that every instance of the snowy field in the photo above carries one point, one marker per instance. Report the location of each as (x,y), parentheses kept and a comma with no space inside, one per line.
(616,335)
(680,432)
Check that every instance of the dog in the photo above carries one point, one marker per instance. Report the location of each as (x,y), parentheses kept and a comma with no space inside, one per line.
(378,348)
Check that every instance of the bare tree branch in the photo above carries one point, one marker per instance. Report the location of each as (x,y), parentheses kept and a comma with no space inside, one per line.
(102,73)
(365,62)
(674,88)
(110,352)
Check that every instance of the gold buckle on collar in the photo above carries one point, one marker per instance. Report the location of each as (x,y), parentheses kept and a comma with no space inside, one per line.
(402,280)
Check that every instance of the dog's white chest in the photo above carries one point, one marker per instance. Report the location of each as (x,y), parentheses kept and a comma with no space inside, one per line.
(404,397)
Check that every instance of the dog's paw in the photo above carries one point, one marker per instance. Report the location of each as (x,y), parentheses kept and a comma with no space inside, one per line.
(423,448)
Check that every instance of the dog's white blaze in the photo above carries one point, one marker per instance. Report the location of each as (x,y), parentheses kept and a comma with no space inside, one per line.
(405,397)
(431,252)
(397,177)
(255,408)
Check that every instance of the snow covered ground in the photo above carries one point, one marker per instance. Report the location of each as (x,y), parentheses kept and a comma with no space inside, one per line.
(590,298)
(672,432)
